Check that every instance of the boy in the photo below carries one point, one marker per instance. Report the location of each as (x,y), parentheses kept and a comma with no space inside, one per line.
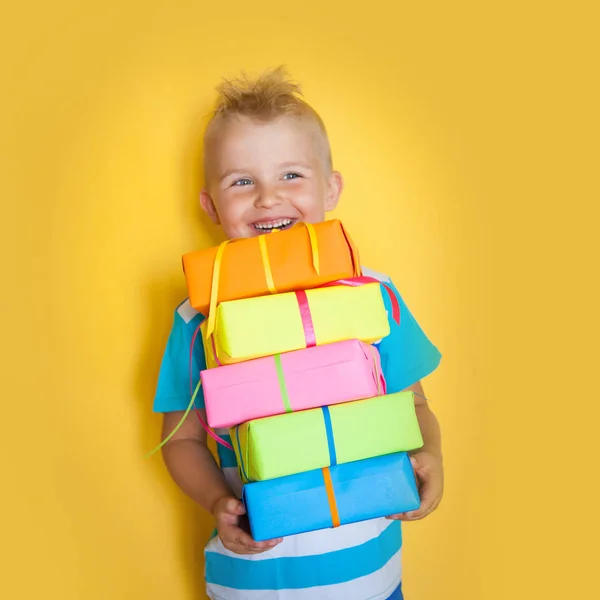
(268,165)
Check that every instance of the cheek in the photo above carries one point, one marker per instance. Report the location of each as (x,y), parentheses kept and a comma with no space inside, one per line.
(232,206)
(308,195)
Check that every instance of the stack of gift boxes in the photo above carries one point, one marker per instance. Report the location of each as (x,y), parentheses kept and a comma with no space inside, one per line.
(292,373)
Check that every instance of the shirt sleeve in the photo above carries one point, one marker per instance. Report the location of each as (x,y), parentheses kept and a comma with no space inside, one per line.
(173,387)
(407,355)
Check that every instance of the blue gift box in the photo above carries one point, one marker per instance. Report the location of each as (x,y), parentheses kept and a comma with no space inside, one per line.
(347,493)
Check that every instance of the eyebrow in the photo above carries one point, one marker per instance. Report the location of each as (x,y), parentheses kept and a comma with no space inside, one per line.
(232,172)
(286,165)
(296,164)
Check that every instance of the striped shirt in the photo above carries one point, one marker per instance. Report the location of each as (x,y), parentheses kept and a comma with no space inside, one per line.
(359,561)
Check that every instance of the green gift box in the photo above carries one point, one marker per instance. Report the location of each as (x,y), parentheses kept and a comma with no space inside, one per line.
(311,439)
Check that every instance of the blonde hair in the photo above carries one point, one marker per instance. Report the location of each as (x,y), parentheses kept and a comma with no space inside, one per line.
(267,97)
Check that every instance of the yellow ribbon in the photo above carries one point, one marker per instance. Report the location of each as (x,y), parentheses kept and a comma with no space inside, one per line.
(214,289)
(264,254)
(314,247)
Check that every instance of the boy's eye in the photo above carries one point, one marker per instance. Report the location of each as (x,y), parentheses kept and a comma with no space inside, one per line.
(289,176)
(241,182)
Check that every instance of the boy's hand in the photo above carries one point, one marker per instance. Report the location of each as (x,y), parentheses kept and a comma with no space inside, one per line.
(229,513)
(430,479)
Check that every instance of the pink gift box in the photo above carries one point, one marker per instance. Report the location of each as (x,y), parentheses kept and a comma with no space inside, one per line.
(309,378)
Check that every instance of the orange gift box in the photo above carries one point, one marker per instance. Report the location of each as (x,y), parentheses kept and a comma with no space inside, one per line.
(303,257)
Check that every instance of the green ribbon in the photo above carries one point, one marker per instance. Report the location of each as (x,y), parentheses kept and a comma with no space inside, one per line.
(282,387)
(176,429)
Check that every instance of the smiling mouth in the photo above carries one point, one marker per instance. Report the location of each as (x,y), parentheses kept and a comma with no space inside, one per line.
(268,226)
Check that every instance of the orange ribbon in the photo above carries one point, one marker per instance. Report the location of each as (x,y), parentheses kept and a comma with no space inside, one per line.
(335,517)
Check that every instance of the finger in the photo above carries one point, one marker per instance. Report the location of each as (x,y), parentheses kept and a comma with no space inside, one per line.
(424,503)
(264,545)
(234,507)
(427,499)
(248,549)
(429,503)
(238,549)
(244,539)
(433,506)
(239,543)
(399,517)
(230,514)
(422,478)
(234,534)
(421,514)
(414,515)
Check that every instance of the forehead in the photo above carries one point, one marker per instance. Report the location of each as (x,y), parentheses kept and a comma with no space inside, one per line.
(252,142)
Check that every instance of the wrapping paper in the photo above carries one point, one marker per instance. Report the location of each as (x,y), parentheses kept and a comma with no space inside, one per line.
(290,260)
(323,498)
(257,327)
(318,376)
(293,443)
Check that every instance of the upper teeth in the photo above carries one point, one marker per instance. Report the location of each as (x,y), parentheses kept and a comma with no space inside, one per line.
(273,224)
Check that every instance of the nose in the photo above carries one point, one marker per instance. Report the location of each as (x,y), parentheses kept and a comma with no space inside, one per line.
(266,197)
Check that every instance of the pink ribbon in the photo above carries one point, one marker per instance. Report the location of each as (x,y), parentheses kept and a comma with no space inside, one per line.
(307,322)
(213,345)
(206,428)
(212,434)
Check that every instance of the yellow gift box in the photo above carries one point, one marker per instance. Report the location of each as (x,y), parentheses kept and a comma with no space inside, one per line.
(257,327)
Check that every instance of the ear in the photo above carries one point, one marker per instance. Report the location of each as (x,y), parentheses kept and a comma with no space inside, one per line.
(334,189)
(209,206)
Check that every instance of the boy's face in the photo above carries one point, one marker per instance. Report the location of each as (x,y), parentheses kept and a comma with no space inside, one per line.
(266,175)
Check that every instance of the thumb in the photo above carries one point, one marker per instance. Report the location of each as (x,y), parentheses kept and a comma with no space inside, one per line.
(414,463)
(235,507)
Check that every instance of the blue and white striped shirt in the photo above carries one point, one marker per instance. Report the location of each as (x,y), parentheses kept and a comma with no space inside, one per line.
(360,561)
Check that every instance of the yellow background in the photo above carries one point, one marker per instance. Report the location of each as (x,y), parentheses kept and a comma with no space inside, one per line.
(468,136)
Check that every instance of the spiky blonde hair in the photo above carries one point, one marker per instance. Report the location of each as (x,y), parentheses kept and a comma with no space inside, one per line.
(271,95)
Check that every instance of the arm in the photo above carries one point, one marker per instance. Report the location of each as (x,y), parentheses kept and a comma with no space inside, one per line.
(190,462)
(193,468)
(427,460)
(430,428)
